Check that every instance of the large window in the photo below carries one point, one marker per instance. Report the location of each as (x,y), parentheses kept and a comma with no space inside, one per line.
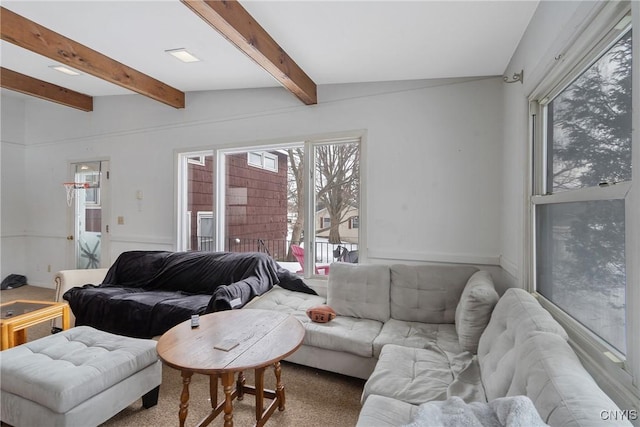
(295,201)
(302,200)
(582,176)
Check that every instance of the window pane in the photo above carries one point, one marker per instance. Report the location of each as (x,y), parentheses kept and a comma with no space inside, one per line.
(355,222)
(256,204)
(255,159)
(581,264)
(205,231)
(270,162)
(196,199)
(337,186)
(589,124)
(267,211)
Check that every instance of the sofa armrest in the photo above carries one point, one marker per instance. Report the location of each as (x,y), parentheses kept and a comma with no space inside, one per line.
(67,279)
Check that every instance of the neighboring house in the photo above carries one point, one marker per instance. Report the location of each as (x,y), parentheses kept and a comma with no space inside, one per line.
(348,227)
(256,197)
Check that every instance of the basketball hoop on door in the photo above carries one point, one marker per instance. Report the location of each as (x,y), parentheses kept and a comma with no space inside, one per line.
(72,187)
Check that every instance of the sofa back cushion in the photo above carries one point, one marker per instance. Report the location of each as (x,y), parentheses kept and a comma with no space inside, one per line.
(516,317)
(359,290)
(474,309)
(427,293)
(563,392)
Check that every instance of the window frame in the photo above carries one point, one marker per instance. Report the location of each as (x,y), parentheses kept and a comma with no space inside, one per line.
(200,216)
(263,157)
(183,158)
(200,161)
(309,228)
(325,222)
(607,365)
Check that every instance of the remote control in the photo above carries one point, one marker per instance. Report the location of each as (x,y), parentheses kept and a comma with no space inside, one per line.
(195,321)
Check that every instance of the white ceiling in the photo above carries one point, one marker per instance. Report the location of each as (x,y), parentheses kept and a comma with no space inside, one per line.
(332,41)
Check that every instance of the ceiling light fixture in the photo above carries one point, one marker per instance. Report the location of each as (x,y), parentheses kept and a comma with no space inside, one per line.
(65,70)
(182,55)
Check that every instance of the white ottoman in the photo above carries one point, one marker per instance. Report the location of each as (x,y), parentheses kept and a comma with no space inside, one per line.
(78,377)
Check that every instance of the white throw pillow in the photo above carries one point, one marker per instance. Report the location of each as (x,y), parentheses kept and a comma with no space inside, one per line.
(359,290)
(474,309)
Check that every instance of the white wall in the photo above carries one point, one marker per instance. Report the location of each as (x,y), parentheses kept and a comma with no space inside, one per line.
(553,25)
(432,162)
(13,214)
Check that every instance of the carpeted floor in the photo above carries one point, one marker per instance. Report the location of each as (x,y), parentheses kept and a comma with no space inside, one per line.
(313,397)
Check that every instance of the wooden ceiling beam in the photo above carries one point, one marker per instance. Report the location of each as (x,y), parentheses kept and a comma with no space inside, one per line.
(15,81)
(233,21)
(28,35)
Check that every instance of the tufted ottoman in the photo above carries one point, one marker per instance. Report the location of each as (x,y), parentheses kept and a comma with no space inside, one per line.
(78,377)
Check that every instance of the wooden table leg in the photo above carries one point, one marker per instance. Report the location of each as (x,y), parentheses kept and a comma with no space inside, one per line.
(66,318)
(213,390)
(279,386)
(11,336)
(227,383)
(184,397)
(240,385)
(20,337)
(4,335)
(259,374)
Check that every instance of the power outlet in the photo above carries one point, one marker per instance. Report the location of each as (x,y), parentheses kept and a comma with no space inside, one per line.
(120,220)
(49,268)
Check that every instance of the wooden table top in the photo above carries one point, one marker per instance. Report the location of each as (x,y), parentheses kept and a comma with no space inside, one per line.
(263,336)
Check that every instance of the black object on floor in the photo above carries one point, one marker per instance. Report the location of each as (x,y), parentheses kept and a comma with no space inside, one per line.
(13,281)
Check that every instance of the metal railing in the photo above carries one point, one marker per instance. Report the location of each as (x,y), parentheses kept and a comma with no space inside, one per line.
(278,249)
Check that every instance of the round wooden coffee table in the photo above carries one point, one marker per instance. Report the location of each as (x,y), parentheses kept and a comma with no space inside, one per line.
(227,342)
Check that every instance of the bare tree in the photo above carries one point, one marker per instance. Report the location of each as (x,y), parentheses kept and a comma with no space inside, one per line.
(296,195)
(337,186)
(337,183)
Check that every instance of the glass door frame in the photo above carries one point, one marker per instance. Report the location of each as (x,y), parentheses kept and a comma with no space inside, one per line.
(103,201)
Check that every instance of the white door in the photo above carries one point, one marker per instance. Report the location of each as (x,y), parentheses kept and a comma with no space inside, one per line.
(89,231)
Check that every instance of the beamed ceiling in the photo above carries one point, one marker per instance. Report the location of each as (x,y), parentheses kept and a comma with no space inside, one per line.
(119,47)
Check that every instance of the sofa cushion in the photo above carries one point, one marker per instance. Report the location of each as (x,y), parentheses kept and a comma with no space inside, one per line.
(418,375)
(427,293)
(286,301)
(359,290)
(563,392)
(474,309)
(516,317)
(381,411)
(417,335)
(344,333)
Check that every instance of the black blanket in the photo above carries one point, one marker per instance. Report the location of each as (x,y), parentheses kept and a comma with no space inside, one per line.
(145,293)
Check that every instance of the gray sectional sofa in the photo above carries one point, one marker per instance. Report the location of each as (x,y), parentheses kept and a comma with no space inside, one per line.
(410,306)
(430,333)
(426,333)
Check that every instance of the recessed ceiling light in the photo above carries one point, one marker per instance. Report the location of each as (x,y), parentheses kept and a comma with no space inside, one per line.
(182,55)
(64,70)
